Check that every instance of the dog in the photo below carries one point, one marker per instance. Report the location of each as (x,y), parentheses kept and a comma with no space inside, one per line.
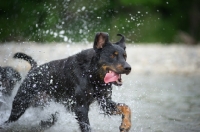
(9,76)
(8,79)
(80,80)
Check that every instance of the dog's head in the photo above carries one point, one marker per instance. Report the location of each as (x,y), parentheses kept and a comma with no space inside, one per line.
(112,58)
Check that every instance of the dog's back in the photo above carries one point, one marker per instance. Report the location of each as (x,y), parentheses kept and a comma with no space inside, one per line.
(58,78)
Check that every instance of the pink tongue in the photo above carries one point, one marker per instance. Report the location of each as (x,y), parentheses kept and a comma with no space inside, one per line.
(111,77)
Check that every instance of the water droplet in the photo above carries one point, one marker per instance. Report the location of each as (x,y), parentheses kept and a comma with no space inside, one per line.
(51,81)
(83,8)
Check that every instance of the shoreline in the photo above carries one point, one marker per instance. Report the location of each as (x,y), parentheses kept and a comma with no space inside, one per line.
(144,59)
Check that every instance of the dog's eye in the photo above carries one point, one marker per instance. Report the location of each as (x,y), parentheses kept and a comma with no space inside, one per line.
(125,56)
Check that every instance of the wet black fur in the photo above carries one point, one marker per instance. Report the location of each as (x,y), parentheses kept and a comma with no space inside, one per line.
(25,57)
(76,80)
(9,76)
(8,79)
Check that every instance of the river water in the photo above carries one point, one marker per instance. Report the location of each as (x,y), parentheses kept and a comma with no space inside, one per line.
(160,101)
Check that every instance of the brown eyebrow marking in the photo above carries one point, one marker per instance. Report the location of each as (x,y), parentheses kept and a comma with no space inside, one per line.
(114,54)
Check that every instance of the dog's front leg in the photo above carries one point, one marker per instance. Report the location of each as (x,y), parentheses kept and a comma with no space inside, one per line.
(125,111)
(82,117)
(113,108)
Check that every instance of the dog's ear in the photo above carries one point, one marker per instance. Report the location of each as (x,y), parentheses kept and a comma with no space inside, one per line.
(101,39)
(121,42)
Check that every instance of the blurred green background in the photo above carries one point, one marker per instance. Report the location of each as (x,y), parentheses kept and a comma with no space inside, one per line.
(141,21)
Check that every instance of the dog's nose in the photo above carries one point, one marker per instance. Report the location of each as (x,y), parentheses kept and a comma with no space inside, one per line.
(127,68)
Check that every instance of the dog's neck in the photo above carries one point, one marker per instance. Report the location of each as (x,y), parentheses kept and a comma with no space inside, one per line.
(93,73)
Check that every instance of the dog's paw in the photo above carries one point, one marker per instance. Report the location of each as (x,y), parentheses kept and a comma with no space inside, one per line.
(126,117)
(125,126)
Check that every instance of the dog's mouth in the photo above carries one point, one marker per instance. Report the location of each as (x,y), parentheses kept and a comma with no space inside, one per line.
(113,77)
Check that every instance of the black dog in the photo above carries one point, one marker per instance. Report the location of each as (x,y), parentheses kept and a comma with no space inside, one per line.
(79,79)
(8,79)
(9,76)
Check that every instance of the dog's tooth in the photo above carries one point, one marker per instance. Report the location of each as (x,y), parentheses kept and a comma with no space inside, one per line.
(119,81)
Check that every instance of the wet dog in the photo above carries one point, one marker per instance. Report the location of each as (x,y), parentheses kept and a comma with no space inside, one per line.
(9,76)
(78,81)
(8,79)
